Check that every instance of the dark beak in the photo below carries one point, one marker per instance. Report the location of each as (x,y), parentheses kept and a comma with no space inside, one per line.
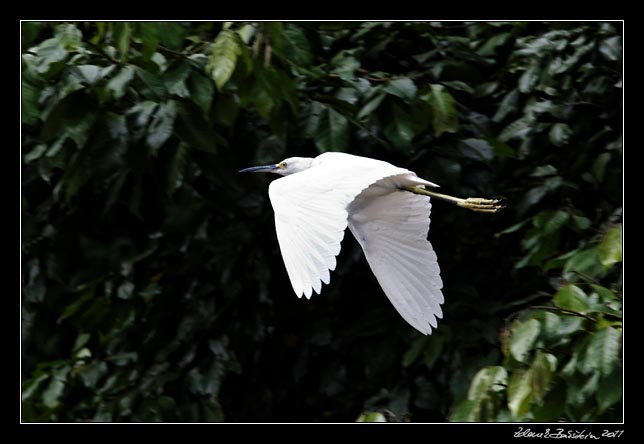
(260,169)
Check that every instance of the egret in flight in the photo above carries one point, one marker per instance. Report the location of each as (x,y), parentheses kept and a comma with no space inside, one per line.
(386,208)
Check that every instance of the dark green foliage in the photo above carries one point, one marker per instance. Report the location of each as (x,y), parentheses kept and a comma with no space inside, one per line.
(153,287)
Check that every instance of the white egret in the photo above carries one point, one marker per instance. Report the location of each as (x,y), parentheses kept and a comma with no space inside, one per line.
(386,208)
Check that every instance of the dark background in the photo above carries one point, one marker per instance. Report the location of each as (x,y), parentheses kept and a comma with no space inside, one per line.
(153,286)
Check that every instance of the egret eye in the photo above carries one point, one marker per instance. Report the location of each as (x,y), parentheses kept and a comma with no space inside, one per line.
(281,165)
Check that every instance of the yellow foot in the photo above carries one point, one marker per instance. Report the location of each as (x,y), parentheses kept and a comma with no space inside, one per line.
(479,204)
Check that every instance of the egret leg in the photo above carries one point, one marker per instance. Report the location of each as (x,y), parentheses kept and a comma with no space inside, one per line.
(471,203)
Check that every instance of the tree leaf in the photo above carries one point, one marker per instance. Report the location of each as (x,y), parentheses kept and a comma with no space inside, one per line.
(125,290)
(528,80)
(371,417)
(543,369)
(176,166)
(35,153)
(223,58)
(117,85)
(560,134)
(488,379)
(202,91)
(371,106)
(523,338)
(90,73)
(611,48)
(550,222)
(175,80)
(161,126)
(171,34)
(610,248)
(466,411)
(585,261)
(602,352)
(414,351)
(333,133)
(403,88)
(401,129)
(297,48)
(154,87)
(477,149)
(51,395)
(122,31)
(445,115)
(520,393)
(149,32)
(610,389)
(29,108)
(570,297)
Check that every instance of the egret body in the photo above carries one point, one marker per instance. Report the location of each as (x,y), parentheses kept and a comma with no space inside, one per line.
(386,208)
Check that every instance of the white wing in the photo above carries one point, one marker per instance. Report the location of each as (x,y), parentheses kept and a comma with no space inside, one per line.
(392,226)
(311,213)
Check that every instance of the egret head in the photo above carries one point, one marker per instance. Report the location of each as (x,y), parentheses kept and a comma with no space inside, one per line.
(284,168)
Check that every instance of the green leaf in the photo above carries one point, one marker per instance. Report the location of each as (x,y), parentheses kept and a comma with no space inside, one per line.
(31,386)
(611,48)
(488,379)
(520,393)
(599,166)
(467,411)
(585,261)
(581,222)
(69,36)
(602,352)
(445,115)
(403,88)
(93,373)
(371,106)
(401,129)
(202,91)
(529,78)
(297,48)
(560,134)
(477,149)
(523,338)
(543,369)
(171,34)
(28,32)
(550,222)
(51,395)
(160,128)
(551,324)
(414,351)
(433,350)
(51,53)
(518,129)
(610,390)
(610,248)
(175,80)
(91,73)
(30,109)
(223,58)
(117,85)
(333,133)
(125,290)
(154,87)
(122,31)
(570,297)
(149,32)
(36,152)
(371,417)
(175,169)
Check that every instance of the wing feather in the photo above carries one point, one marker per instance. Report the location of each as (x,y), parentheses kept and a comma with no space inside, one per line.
(392,227)
(313,208)
(311,214)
